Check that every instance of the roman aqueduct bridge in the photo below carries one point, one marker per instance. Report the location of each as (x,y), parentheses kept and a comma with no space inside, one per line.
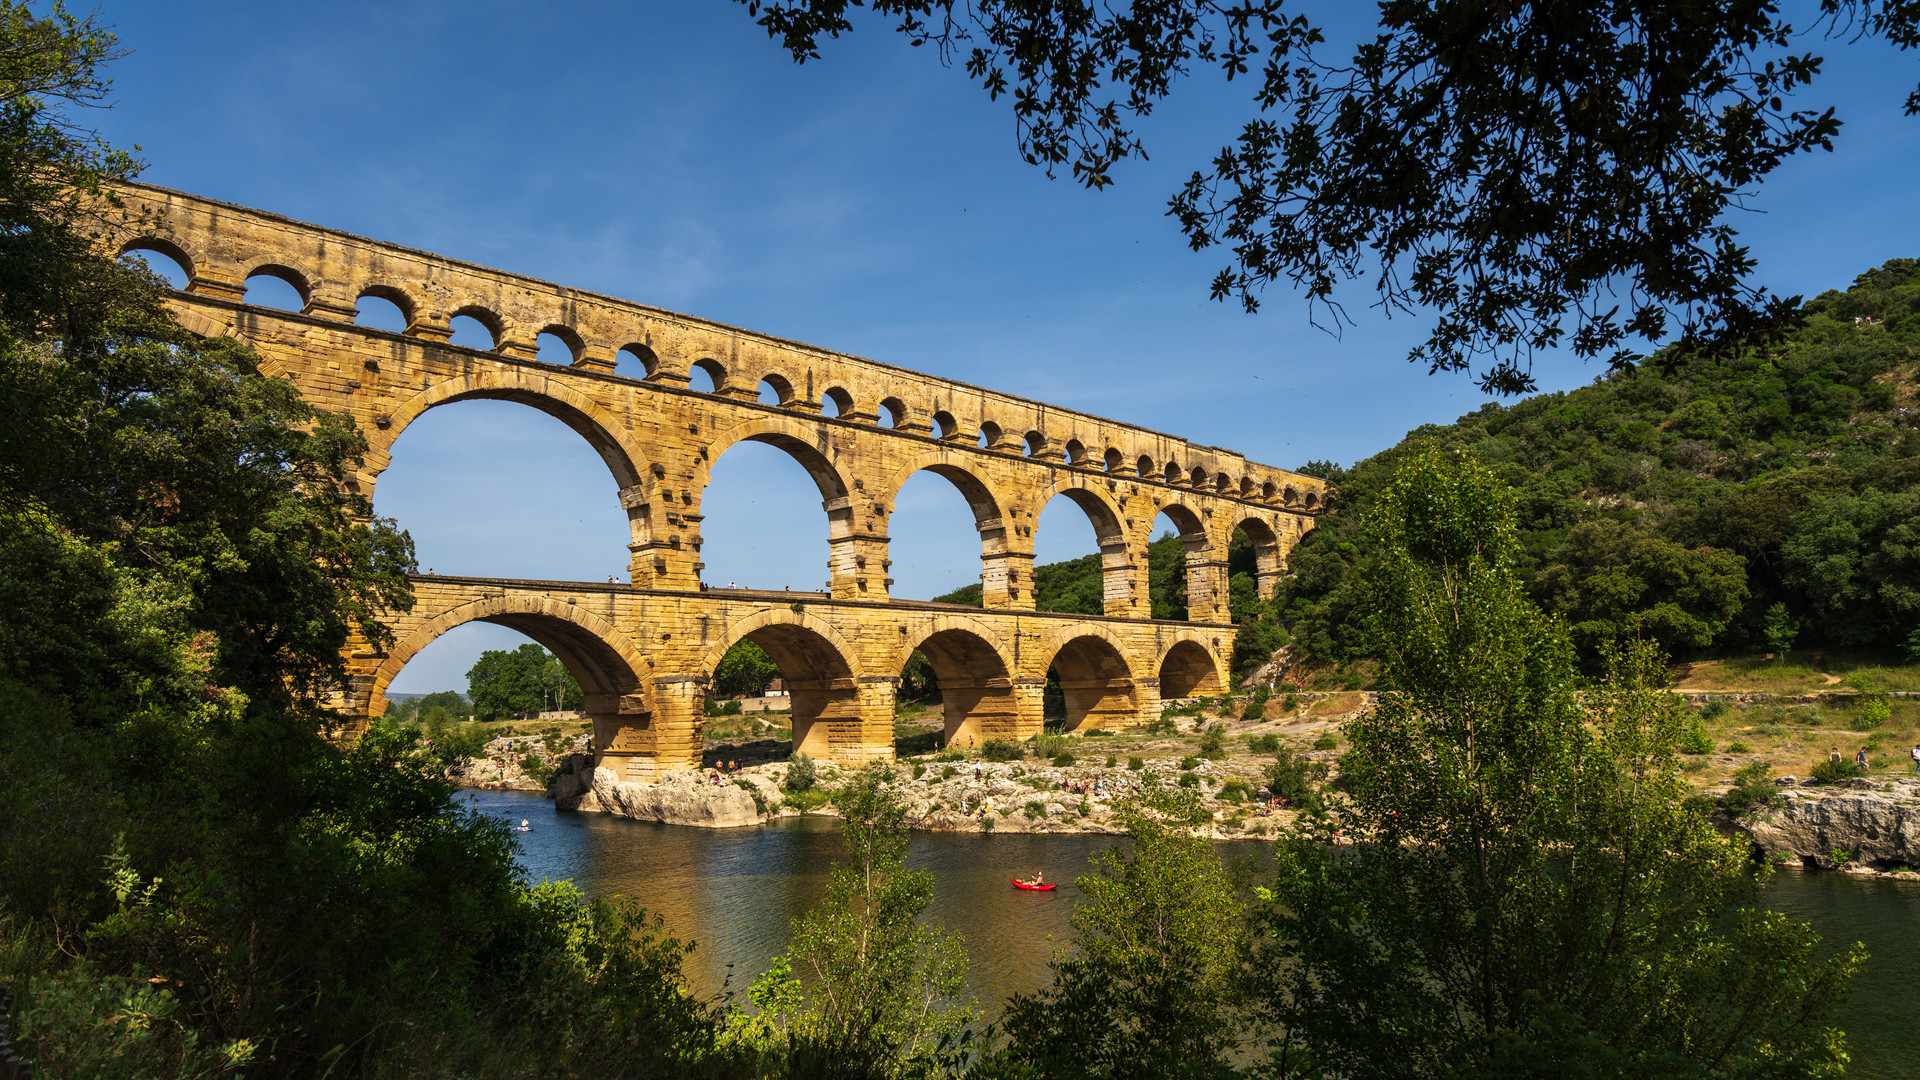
(644,652)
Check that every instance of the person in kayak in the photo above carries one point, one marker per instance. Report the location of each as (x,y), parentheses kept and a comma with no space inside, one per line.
(1037,880)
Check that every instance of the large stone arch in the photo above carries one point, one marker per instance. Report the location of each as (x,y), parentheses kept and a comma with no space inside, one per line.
(1097,678)
(806,442)
(602,659)
(1205,556)
(817,666)
(1190,665)
(1000,581)
(533,388)
(1269,549)
(975,673)
(1118,587)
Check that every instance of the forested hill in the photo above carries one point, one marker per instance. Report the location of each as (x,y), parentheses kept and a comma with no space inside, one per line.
(1735,505)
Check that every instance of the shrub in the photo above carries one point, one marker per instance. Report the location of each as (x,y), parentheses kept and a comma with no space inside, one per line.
(1831,772)
(951,754)
(1049,746)
(1164,725)
(1092,733)
(731,708)
(1063,759)
(1767,731)
(1235,791)
(1188,779)
(1085,808)
(1872,714)
(1112,761)
(1261,693)
(1738,747)
(1812,716)
(759,800)
(1292,704)
(1715,709)
(1696,740)
(536,769)
(1255,711)
(1264,744)
(1189,761)
(1325,742)
(1213,745)
(919,770)
(801,774)
(1694,764)
(1293,777)
(1136,763)
(1001,750)
(1036,810)
(949,773)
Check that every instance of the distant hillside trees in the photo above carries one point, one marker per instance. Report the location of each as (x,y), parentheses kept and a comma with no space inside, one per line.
(529,679)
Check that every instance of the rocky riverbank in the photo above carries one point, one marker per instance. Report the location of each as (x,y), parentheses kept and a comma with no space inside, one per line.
(1858,826)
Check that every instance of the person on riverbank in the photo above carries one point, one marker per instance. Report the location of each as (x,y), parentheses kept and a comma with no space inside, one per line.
(1915,753)
(1833,754)
(1860,758)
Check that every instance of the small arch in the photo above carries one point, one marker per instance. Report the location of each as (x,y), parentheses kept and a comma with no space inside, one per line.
(473,324)
(1266,491)
(1076,452)
(945,426)
(775,390)
(1223,484)
(1036,444)
(989,435)
(894,412)
(636,361)
(1289,496)
(175,267)
(1172,474)
(1189,669)
(1143,468)
(559,345)
(1246,487)
(1198,478)
(840,401)
(377,315)
(263,292)
(1113,460)
(708,369)
(1311,500)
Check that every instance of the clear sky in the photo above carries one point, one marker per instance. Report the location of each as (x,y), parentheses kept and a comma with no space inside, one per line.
(871,202)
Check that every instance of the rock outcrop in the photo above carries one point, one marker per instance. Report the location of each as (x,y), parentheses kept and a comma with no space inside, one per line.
(680,799)
(1874,824)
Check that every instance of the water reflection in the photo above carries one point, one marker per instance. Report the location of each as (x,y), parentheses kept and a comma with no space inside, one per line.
(736,892)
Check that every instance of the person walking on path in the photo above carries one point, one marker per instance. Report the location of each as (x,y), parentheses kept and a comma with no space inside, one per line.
(1860,758)
(1915,752)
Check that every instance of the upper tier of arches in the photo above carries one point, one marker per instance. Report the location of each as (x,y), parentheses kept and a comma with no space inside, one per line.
(219,247)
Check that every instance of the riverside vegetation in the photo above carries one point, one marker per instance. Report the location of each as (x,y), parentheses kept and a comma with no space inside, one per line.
(196,882)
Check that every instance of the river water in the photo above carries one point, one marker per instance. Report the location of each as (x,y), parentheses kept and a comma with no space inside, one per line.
(736,892)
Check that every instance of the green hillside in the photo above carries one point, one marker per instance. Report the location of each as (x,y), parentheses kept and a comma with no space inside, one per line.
(1728,506)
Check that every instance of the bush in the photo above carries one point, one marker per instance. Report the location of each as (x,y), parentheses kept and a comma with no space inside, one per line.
(1738,747)
(919,770)
(1213,745)
(536,769)
(731,708)
(949,773)
(951,754)
(1092,733)
(1715,709)
(1325,742)
(1832,772)
(1049,746)
(1001,750)
(1136,763)
(1188,779)
(1294,777)
(801,774)
(1696,740)
(759,800)
(1189,761)
(1036,810)
(1292,704)
(1694,764)
(1063,759)
(1264,744)
(1255,711)
(1872,714)
(1085,808)
(1112,761)
(1752,790)
(1235,791)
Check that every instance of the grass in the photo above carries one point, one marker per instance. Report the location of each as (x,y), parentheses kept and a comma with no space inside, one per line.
(1803,673)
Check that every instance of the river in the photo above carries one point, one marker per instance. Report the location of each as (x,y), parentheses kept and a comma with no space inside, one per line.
(736,891)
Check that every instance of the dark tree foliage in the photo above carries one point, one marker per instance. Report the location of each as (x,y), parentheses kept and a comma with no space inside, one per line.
(529,679)
(1536,174)
(745,671)
(1685,506)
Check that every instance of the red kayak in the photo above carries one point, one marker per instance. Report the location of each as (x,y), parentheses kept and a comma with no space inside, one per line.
(1032,888)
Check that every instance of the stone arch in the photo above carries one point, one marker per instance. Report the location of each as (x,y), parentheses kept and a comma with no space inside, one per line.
(945,427)
(1036,444)
(842,401)
(715,370)
(1143,468)
(782,386)
(576,347)
(894,412)
(392,294)
(990,435)
(1095,677)
(160,245)
(649,360)
(1189,667)
(1113,459)
(975,676)
(601,659)
(1198,478)
(1269,555)
(800,440)
(283,272)
(816,666)
(486,317)
(981,499)
(510,382)
(1076,452)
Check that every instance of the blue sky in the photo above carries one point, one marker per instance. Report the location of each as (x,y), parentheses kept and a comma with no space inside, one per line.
(871,202)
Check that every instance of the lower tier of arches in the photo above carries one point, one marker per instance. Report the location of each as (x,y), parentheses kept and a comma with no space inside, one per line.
(645,660)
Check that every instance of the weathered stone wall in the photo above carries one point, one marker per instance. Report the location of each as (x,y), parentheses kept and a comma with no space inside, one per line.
(644,652)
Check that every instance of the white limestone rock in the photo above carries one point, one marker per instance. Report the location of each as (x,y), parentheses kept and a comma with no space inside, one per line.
(1875,828)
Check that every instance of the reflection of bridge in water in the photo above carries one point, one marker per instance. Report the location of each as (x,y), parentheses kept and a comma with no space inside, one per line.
(644,653)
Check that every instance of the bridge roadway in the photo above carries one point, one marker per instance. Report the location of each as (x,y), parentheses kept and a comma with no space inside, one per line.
(644,658)
(859,427)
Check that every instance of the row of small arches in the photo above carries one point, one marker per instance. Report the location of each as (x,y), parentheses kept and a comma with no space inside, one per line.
(384,307)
